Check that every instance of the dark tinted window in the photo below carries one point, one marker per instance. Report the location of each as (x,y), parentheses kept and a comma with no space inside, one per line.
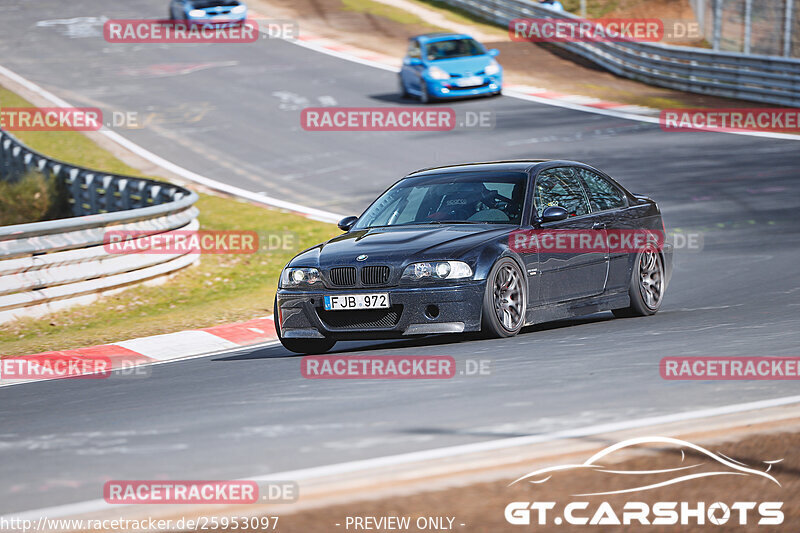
(463,198)
(452,48)
(602,193)
(559,187)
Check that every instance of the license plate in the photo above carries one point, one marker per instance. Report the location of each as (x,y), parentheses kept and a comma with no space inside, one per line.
(468,82)
(345,302)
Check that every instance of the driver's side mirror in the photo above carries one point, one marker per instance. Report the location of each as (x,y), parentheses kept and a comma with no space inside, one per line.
(346,223)
(551,214)
(494,52)
(413,61)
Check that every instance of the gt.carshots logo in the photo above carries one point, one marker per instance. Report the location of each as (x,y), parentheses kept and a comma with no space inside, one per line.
(695,463)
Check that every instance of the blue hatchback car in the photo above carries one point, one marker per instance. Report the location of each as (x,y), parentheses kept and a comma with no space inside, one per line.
(209,12)
(449,65)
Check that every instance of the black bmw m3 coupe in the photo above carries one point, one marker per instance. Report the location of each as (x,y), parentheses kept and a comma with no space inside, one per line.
(487,247)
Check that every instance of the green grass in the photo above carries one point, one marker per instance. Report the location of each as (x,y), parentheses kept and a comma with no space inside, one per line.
(392,13)
(70,147)
(462,16)
(220,289)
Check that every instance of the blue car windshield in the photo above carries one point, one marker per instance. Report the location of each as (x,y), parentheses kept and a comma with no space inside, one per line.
(453,48)
(454,198)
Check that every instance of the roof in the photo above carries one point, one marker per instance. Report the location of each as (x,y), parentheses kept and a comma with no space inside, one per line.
(515,164)
(440,36)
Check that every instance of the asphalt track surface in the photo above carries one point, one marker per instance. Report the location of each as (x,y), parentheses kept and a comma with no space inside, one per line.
(250,412)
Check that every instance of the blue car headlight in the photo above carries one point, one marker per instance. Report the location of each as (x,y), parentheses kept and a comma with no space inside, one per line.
(197,13)
(437,270)
(239,9)
(493,68)
(437,73)
(292,278)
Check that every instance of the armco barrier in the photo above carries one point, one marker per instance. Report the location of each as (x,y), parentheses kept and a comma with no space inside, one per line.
(768,79)
(45,266)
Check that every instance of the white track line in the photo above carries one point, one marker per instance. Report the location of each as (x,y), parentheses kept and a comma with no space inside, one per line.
(310,212)
(99,505)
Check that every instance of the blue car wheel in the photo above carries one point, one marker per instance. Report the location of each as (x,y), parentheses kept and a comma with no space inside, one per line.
(424,95)
(403,90)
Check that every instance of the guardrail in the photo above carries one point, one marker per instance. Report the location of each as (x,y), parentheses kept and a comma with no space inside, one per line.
(768,79)
(46,266)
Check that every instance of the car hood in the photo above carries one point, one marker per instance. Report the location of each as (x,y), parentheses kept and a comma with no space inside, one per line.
(463,65)
(401,245)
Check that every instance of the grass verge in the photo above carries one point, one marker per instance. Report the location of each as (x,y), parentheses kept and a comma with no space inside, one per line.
(220,289)
(392,13)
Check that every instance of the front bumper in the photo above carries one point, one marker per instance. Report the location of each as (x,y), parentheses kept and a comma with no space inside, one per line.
(420,310)
(448,89)
(219,21)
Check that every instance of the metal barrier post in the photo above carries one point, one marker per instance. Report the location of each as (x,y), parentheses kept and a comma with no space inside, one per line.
(748,24)
(787,28)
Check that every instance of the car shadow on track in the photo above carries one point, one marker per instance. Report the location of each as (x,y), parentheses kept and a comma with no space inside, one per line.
(397,98)
(279,352)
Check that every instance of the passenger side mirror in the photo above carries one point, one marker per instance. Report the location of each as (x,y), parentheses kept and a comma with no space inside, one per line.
(346,223)
(494,52)
(413,61)
(551,214)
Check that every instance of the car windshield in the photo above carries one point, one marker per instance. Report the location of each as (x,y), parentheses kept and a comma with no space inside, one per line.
(454,48)
(454,198)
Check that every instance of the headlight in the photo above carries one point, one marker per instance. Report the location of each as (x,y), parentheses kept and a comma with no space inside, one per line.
(239,9)
(438,270)
(296,277)
(438,74)
(197,13)
(493,68)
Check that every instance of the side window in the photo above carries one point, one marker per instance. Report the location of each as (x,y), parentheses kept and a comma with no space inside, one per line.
(602,193)
(559,187)
(413,49)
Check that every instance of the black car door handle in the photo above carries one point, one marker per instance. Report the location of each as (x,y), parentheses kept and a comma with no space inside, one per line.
(598,225)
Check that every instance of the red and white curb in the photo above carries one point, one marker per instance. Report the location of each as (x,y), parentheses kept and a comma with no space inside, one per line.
(150,350)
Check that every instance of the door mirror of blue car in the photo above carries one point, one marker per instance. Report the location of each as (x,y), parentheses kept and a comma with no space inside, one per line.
(346,223)
(413,61)
(494,52)
(550,214)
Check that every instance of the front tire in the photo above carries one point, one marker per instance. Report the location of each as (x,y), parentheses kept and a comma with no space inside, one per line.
(301,346)
(646,289)
(424,95)
(505,300)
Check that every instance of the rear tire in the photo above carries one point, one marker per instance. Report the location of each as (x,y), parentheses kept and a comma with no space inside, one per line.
(646,289)
(505,300)
(301,346)
(403,91)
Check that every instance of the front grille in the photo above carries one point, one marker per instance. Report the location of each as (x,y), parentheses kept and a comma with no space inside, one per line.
(375,275)
(362,319)
(343,276)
